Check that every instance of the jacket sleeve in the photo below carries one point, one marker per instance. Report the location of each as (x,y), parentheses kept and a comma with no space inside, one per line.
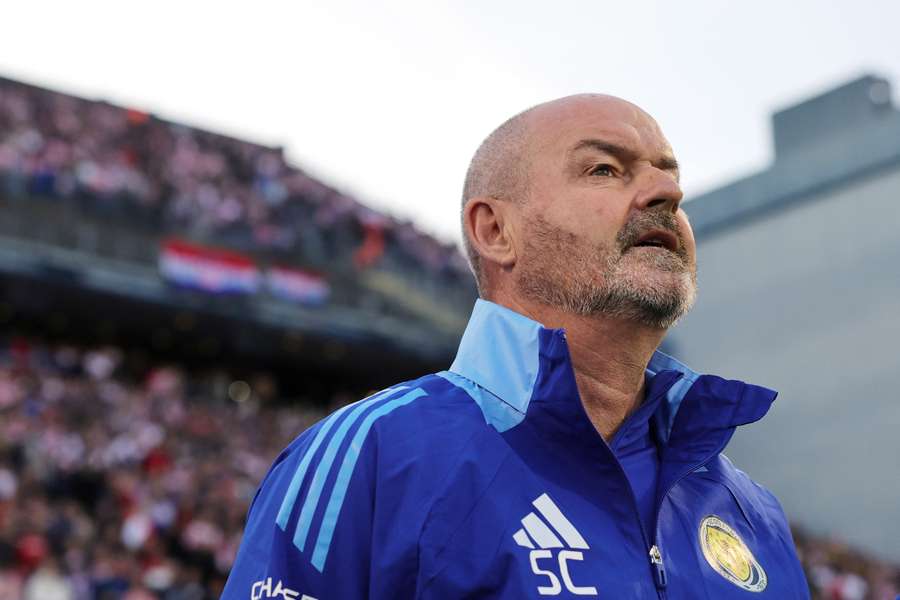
(313,526)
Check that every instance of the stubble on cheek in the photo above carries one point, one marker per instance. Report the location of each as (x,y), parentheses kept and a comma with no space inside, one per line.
(559,269)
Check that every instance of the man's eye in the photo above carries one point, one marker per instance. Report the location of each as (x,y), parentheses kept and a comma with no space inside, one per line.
(603,171)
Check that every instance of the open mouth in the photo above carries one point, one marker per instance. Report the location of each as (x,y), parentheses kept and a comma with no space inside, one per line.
(657,238)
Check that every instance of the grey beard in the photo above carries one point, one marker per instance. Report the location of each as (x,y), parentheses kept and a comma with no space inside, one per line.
(659,308)
(572,286)
(651,307)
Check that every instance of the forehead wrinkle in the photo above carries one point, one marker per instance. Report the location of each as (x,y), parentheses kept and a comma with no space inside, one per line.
(622,151)
(665,161)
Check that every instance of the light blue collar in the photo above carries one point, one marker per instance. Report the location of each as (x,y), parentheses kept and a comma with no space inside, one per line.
(500,353)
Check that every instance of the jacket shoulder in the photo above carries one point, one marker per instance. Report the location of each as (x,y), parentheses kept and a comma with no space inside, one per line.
(755,499)
(404,432)
(440,420)
(412,408)
(361,478)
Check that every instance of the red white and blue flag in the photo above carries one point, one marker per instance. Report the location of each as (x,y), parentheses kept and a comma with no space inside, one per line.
(211,270)
(297,285)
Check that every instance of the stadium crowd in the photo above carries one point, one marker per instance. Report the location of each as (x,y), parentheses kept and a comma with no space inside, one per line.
(118,488)
(125,163)
(125,483)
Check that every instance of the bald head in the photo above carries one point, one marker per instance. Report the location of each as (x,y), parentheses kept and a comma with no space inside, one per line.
(501,167)
(497,169)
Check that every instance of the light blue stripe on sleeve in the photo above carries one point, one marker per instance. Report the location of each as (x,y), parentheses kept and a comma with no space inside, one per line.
(333,510)
(324,467)
(287,505)
(290,498)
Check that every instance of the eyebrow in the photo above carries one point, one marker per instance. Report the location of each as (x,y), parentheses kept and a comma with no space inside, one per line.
(625,154)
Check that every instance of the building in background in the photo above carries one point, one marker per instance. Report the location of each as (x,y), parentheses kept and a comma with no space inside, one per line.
(799,270)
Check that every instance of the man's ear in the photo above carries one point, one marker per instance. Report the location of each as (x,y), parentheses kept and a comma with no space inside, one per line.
(489,226)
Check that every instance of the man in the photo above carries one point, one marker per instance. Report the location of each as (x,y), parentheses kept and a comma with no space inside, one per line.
(560,455)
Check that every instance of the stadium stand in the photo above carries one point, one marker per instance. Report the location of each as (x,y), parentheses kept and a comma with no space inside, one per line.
(129,171)
(127,164)
(117,211)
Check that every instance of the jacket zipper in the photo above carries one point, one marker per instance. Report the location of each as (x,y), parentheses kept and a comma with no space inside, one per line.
(656,559)
(659,569)
(656,563)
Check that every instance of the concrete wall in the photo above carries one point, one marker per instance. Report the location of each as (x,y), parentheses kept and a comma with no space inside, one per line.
(806,300)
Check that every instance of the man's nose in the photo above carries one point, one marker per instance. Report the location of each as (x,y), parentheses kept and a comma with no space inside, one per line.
(659,189)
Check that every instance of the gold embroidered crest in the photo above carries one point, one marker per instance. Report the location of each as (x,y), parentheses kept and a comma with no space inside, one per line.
(729,556)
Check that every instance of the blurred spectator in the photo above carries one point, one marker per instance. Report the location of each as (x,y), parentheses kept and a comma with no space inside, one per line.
(47,583)
(120,488)
(837,572)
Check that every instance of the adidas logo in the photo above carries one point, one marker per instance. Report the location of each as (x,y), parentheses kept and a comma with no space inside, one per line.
(553,542)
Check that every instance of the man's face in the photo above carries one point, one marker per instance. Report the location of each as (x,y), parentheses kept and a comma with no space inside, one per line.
(602,230)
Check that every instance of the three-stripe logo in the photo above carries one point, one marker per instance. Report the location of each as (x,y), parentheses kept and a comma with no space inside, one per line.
(542,538)
(352,422)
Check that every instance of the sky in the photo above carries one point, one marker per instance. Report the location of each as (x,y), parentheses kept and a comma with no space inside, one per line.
(388,100)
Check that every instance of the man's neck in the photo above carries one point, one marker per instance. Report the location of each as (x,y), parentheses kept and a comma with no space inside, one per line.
(609,358)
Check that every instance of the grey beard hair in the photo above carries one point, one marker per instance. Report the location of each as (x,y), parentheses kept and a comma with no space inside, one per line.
(561,271)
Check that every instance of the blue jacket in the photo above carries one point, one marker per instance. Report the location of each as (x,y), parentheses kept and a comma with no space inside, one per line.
(489,481)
